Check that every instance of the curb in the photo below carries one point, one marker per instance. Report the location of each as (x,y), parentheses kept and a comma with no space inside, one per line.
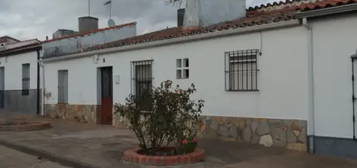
(47,155)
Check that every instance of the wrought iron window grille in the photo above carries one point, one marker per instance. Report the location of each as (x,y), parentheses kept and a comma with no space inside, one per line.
(241,70)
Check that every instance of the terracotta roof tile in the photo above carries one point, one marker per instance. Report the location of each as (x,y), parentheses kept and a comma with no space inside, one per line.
(255,16)
(181,32)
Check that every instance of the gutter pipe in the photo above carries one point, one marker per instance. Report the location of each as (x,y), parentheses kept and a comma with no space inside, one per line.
(311,84)
(43,100)
(353,59)
(38,83)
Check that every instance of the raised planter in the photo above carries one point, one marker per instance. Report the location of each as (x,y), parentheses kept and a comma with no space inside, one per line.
(23,125)
(133,155)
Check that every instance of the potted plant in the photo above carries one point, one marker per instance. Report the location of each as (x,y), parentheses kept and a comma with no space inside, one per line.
(169,125)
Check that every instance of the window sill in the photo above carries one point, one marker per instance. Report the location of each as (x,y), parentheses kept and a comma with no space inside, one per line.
(255,90)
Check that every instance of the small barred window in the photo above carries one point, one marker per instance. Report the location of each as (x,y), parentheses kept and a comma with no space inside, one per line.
(241,70)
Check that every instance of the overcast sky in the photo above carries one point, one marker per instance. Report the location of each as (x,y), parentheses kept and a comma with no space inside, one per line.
(28,19)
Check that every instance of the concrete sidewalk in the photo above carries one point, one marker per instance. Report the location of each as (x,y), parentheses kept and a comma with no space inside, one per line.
(10,158)
(94,146)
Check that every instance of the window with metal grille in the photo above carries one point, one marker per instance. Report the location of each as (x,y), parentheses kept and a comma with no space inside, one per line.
(141,77)
(62,86)
(25,79)
(142,83)
(182,68)
(241,70)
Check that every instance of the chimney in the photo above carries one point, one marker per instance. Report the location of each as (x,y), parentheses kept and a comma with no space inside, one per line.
(87,24)
(208,12)
(62,33)
(180,17)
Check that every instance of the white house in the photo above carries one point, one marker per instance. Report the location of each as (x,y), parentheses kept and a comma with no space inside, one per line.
(20,76)
(280,75)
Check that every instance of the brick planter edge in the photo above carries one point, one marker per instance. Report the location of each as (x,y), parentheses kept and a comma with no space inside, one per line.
(132,155)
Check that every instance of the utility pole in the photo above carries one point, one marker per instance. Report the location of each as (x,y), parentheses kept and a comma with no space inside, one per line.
(110,10)
(110,7)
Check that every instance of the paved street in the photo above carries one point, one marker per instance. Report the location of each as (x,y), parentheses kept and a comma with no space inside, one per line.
(10,158)
(96,146)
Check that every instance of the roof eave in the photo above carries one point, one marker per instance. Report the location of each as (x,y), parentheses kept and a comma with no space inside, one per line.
(327,11)
(20,50)
(276,25)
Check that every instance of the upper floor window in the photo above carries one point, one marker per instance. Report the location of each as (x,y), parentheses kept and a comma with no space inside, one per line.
(182,68)
(25,79)
(241,70)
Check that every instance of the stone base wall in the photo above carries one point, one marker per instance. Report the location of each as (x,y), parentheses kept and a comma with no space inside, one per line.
(290,134)
(80,113)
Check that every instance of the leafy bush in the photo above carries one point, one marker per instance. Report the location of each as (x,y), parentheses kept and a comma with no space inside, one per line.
(172,118)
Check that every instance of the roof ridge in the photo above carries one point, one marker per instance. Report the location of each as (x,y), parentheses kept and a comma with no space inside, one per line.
(280,3)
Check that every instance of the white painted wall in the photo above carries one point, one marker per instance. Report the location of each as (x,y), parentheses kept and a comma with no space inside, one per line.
(13,70)
(334,43)
(282,79)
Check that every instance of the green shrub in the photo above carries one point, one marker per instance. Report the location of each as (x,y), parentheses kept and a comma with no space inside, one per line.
(171,118)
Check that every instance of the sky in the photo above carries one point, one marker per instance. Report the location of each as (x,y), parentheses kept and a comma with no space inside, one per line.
(29,19)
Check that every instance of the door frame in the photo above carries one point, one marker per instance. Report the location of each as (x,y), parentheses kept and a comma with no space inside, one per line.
(100,92)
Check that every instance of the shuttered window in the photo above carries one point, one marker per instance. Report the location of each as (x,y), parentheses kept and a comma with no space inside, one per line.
(63,86)
(25,79)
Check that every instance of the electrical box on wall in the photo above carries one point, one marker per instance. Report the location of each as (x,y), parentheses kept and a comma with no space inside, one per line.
(117,79)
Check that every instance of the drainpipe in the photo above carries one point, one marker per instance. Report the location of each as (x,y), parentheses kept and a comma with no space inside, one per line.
(353,59)
(311,85)
(38,83)
(43,90)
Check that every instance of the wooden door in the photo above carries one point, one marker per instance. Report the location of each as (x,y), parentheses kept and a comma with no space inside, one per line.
(106,95)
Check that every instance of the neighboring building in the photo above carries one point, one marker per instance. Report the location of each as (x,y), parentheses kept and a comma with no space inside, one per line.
(20,76)
(279,76)
(67,42)
(63,33)
(5,40)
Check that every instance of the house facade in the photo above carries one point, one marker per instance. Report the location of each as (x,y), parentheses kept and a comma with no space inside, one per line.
(281,76)
(20,77)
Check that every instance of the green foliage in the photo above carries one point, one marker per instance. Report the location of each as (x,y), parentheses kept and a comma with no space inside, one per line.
(173,117)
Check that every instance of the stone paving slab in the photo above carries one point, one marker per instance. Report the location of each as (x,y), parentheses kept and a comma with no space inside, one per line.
(94,146)
(10,158)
